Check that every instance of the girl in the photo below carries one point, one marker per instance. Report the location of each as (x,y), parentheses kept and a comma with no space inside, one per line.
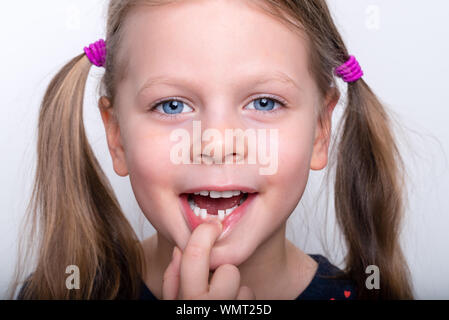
(265,65)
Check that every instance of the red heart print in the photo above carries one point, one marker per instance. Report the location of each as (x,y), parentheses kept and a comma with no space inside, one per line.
(347,293)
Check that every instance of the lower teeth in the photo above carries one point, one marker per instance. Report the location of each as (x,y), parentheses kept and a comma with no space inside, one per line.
(222,214)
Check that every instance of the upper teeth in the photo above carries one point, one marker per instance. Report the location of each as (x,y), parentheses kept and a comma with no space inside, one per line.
(219,194)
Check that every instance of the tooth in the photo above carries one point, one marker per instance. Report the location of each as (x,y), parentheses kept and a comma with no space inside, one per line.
(196,210)
(196,193)
(221,214)
(227,194)
(204,193)
(229,211)
(215,194)
(192,205)
(203,213)
(236,192)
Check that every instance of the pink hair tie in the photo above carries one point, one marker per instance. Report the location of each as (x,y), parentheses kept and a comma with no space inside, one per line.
(96,53)
(350,71)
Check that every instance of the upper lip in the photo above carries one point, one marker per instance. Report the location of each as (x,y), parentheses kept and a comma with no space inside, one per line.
(221,188)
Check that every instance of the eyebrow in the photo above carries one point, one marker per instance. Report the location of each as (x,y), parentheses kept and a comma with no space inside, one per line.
(255,79)
(277,76)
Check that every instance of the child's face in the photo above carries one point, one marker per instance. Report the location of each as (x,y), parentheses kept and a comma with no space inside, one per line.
(213,53)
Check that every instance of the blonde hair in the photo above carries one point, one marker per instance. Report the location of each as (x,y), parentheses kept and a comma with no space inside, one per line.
(81,221)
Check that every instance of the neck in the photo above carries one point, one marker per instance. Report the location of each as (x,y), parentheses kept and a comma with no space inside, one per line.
(277,261)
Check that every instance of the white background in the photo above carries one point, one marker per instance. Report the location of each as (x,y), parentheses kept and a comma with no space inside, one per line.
(402,46)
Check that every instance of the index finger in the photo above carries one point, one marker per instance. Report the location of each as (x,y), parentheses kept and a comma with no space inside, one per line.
(195,260)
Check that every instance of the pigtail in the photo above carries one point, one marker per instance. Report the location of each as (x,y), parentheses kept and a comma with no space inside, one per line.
(368,195)
(80,222)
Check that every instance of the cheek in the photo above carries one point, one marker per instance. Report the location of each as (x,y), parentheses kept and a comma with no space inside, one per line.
(295,151)
(148,157)
(152,174)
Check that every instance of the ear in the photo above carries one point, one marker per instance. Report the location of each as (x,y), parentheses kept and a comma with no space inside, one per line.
(112,129)
(323,132)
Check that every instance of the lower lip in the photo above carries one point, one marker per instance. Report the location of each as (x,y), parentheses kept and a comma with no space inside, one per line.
(228,222)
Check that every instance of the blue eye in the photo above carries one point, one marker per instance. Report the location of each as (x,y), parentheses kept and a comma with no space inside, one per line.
(172,107)
(265,104)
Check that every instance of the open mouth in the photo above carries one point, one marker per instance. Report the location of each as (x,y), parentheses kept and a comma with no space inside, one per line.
(216,203)
(227,206)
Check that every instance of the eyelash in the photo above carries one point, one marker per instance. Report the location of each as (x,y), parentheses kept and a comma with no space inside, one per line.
(278,100)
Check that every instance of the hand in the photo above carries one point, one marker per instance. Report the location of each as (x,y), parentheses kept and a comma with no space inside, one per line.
(187,275)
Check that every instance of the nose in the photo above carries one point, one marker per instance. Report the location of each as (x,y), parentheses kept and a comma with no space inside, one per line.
(217,141)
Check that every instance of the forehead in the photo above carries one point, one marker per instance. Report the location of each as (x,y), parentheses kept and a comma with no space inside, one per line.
(217,42)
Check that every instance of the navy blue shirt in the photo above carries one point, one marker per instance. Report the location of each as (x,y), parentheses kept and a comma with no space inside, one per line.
(320,288)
